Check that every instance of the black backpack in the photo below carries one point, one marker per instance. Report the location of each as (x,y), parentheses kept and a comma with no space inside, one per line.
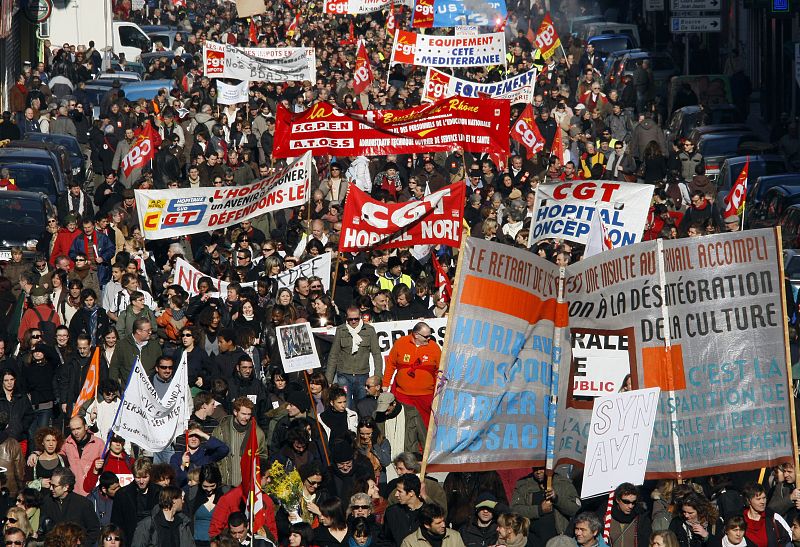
(47,327)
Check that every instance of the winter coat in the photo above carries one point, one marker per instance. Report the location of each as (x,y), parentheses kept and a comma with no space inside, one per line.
(82,461)
(75,508)
(151,530)
(528,495)
(645,132)
(124,511)
(416,539)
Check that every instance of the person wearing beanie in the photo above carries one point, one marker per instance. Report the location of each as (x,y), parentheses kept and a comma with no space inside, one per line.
(389,180)
(433,531)
(481,530)
(394,275)
(348,467)
(285,417)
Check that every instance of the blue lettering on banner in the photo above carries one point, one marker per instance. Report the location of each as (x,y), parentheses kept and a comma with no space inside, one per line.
(450,13)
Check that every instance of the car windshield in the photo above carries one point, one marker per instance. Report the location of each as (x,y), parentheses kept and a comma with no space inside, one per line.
(610,45)
(36,179)
(721,146)
(25,215)
(71,145)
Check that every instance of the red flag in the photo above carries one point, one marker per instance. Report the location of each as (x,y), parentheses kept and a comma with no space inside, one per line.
(557,149)
(179,3)
(362,76)
(526,132)
(251,480)
(293,26)
(89,389)
(442,280)
(547,38)
(734,201)
(253,34)
(142,150)
(391,22)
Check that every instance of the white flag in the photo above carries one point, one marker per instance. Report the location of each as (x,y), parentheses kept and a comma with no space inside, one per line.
(150,422)
(598,236)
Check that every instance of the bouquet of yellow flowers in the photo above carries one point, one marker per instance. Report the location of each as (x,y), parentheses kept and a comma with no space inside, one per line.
(287,487)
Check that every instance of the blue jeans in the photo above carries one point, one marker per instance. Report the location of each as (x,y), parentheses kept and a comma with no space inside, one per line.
(164,456)
(355,385)
(41,418)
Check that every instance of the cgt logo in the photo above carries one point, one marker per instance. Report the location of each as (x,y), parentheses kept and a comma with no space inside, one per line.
(215,62)
(546,37)
(176,216)
(405,47)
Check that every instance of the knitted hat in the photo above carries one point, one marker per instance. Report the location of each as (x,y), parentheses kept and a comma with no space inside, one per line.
(341,451)
(297,399)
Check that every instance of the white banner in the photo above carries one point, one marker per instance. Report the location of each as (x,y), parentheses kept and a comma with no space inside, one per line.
(187,275)
(389,331)
(171,213)
(232,94)
(276,65)
(359,7)
(565,210)
(150,422)
(619,440)
(451,51)
(602,363)
(517,89)
(297,348)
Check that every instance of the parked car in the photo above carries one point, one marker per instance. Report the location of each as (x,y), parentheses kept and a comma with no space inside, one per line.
(23,216)
(759,188)
(760,165)
(121,76)
(609,75)
(605,44)
(31,177)
(790,230)
(662,65)
(130,66)
(715,147)
(146,89)
(14,153)
(605,27)
(80,164)
(768,211)
(791,272)
(685,119)
(576,24)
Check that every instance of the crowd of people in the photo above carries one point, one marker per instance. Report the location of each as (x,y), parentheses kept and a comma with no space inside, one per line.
(355,428)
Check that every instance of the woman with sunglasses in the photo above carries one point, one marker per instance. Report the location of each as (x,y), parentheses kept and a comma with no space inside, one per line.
(112,536)
(16,518)
(48,239)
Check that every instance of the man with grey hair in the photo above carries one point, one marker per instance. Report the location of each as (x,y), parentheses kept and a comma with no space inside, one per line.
(63,124)
(588,530)
(366,406)
(41,315)
(64,505)
(407,463)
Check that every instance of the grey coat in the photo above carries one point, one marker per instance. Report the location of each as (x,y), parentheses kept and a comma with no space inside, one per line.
(342,360)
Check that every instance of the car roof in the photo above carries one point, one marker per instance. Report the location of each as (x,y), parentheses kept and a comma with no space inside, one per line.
(23,194)
(25,151)
(756,157)
(27,166)
(726,135)
(44,137)
(609,36)
(774,178)
(647,54)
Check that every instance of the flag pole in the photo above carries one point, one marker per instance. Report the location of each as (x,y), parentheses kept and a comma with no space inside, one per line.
(119,407)
(437,394)
(313,407)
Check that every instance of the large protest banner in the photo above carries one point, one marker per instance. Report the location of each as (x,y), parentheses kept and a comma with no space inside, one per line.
(619,440)
(451,13)
(150,421)
(232,94)
(360,7)
(187,276)
(564,210)
(389,331)
(517,89)
(170,213)
(701,318)
(371,224)
(503,337)
(452,51)
(276,65)
(477,125)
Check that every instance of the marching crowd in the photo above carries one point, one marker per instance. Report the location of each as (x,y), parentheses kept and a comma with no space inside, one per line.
(353,429)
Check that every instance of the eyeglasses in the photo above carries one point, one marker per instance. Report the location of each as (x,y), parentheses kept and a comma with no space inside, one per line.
(14,542)
(353,319)
(12,520)
(186,335)
(425,336)
(361,507)
(628,502)
(35,336)
(51,221)
(112,538)
(80,260)
(164,367)
(313,483)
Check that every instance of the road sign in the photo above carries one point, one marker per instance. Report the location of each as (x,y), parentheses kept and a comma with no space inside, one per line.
(653,5)
(780,6)
(695,5)
(679,25)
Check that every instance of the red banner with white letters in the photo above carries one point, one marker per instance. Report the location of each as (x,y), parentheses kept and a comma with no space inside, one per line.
(547,40)
(362,76)
(479,125)
(371,224)
(526,132)
(142,150)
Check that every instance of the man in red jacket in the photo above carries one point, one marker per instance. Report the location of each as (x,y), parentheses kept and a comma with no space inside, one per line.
(233,501)
(65,238)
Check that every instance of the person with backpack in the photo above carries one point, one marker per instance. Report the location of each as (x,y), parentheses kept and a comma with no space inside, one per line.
(40,315)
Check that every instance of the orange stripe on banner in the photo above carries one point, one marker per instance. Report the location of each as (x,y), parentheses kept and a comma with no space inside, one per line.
(499,297)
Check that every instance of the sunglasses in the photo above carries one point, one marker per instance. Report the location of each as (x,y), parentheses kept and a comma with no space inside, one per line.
(314,483)
(628,502)
(12,520)
(353,319)
(165,367)
(112,538)
(186,335)
(14,542)
(361,507)
(36,336)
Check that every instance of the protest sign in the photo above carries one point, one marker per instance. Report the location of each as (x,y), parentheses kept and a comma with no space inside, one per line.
(275,65)
(358,7)
(232,94)
(602,363)
(564,210)
(296,347)
(371,224)
(517,89)
(187,276)
(248,8)
(619,440)
(501,344)
(452,51)
(142,150)
(389,331)
(451,13)
(151,422)
(477,125)
(171,213)
(703,319)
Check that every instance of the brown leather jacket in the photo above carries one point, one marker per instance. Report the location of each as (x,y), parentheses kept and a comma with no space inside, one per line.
(11,459)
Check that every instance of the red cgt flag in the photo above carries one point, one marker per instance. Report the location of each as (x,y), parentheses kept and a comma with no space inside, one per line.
(391,22)
(547,38)
(253,35)
(362,76)
(557,149)
(142,150)
(351,36)
(251,480)
(526,132)
(734,201)
(442,281)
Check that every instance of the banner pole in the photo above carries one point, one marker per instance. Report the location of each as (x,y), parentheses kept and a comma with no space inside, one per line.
(313,408)
(787,353)
(555,365)
(437,395)
(119,407)
(335,275)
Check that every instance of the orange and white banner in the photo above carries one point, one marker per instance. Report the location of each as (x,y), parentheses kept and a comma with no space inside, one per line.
(89,389)
(448,51)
